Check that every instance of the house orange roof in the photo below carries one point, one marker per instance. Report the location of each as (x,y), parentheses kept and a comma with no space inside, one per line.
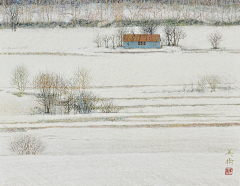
(141,37)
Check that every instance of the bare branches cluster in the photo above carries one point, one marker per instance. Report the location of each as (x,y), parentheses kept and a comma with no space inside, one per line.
(173,34)
(27,145)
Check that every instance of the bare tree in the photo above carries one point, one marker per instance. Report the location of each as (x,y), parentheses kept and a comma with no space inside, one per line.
(106,40)
(178,34)
(120,32)
(215,39)
(12,11)
(168,35)
(97,40)
(173,34)
(20,76)
(148,27)
(27,145)
(82,78)
(113,39)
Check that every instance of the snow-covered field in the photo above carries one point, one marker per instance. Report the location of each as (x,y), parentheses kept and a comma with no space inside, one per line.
(153,87)
(125,156)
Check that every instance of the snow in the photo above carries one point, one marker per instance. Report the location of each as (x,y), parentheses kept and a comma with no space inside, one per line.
(140,156)
(154,87)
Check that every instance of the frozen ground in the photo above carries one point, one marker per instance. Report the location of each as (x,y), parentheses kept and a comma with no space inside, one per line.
(153,87)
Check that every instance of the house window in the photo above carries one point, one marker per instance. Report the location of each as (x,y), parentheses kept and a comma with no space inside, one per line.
(141,43)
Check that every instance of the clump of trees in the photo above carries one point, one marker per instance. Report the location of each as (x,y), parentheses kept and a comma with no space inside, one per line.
(215,39)
(115,39)
(173,34)
(58,94)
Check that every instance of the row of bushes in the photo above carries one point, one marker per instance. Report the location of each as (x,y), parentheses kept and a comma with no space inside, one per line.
(206,83)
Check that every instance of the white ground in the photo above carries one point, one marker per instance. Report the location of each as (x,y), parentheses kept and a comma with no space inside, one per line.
(150,86)
(139,156)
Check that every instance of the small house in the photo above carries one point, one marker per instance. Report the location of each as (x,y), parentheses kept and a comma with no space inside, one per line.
(141,41)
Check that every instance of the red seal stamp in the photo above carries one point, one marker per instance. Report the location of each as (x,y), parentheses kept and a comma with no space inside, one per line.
(228,171)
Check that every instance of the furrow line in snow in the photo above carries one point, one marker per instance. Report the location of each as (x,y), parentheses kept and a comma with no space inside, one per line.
(23,129)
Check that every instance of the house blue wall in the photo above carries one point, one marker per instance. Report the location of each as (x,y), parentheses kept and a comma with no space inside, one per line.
(135,45)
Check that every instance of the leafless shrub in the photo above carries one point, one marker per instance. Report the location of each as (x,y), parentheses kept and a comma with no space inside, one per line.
(211,81)
(85,102)
(173,34)
(19,79)
(27,145)
(215,39)
(107,106)
(97,40)
(201,84)
(148,27)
